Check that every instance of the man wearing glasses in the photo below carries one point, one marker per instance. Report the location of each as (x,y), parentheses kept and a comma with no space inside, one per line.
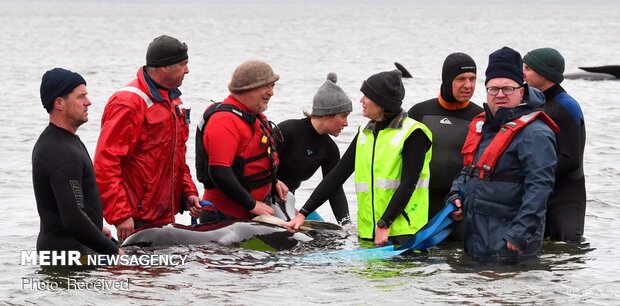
(509,166)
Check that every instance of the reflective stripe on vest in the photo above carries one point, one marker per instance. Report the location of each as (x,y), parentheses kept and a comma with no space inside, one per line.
(140,93)
(378,170)
(361,187)
(393,184)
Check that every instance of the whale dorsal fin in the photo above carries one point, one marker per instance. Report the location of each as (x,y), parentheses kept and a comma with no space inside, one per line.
(610,69)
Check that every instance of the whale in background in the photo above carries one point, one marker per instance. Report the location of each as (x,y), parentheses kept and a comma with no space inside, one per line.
(235,233)
(609,72)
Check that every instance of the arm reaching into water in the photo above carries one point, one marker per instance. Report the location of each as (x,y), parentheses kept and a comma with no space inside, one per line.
(328,186)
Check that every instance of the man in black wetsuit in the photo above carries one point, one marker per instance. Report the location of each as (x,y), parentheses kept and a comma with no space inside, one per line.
(566,207)
(63,178)
(448,117)
(305,144)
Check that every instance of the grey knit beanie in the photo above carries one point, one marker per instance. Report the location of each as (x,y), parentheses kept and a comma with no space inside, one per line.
(330,99)
(252,74)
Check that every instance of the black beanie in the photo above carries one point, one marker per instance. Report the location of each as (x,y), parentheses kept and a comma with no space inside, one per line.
(505,63)
(165,51)
(57,83)
(386,90)
(455,64)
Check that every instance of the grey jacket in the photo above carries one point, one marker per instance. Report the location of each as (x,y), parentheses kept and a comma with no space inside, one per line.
(501,211)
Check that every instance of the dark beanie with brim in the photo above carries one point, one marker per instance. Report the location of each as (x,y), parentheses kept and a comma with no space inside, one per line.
(165,51)
(56,83)
(505,63)
(455,64)
(386,89)
(547,62)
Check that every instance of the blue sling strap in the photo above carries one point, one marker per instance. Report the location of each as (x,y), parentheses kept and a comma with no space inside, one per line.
(435,231)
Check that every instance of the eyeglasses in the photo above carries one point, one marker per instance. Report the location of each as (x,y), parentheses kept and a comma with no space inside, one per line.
(507,90)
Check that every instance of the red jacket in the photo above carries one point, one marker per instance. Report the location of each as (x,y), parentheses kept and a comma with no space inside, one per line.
(140,158)
(228,138)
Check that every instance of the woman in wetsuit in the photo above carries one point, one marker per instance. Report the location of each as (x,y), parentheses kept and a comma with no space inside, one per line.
(390,157)
(305,144)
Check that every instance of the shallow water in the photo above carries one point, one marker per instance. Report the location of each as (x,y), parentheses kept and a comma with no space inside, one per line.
(106,43)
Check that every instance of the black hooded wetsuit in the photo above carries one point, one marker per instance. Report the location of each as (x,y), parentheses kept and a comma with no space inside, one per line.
(449,128)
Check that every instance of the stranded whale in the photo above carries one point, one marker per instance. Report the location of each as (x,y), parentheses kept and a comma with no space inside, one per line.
(263,233)
(237,233)
(609,72)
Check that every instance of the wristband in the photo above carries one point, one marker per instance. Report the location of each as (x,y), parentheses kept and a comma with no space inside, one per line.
(304,212)
(383,224)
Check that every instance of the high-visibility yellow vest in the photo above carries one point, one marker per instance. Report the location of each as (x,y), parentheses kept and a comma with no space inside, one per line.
(378,170)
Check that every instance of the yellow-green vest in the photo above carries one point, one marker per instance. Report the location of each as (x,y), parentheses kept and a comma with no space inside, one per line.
(378,169)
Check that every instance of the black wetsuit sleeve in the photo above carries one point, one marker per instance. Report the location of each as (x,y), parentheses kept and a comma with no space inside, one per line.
(414,151)
(338,201)
(334,180)
(224,178)
(569,155)
(67,187)
(281,140)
